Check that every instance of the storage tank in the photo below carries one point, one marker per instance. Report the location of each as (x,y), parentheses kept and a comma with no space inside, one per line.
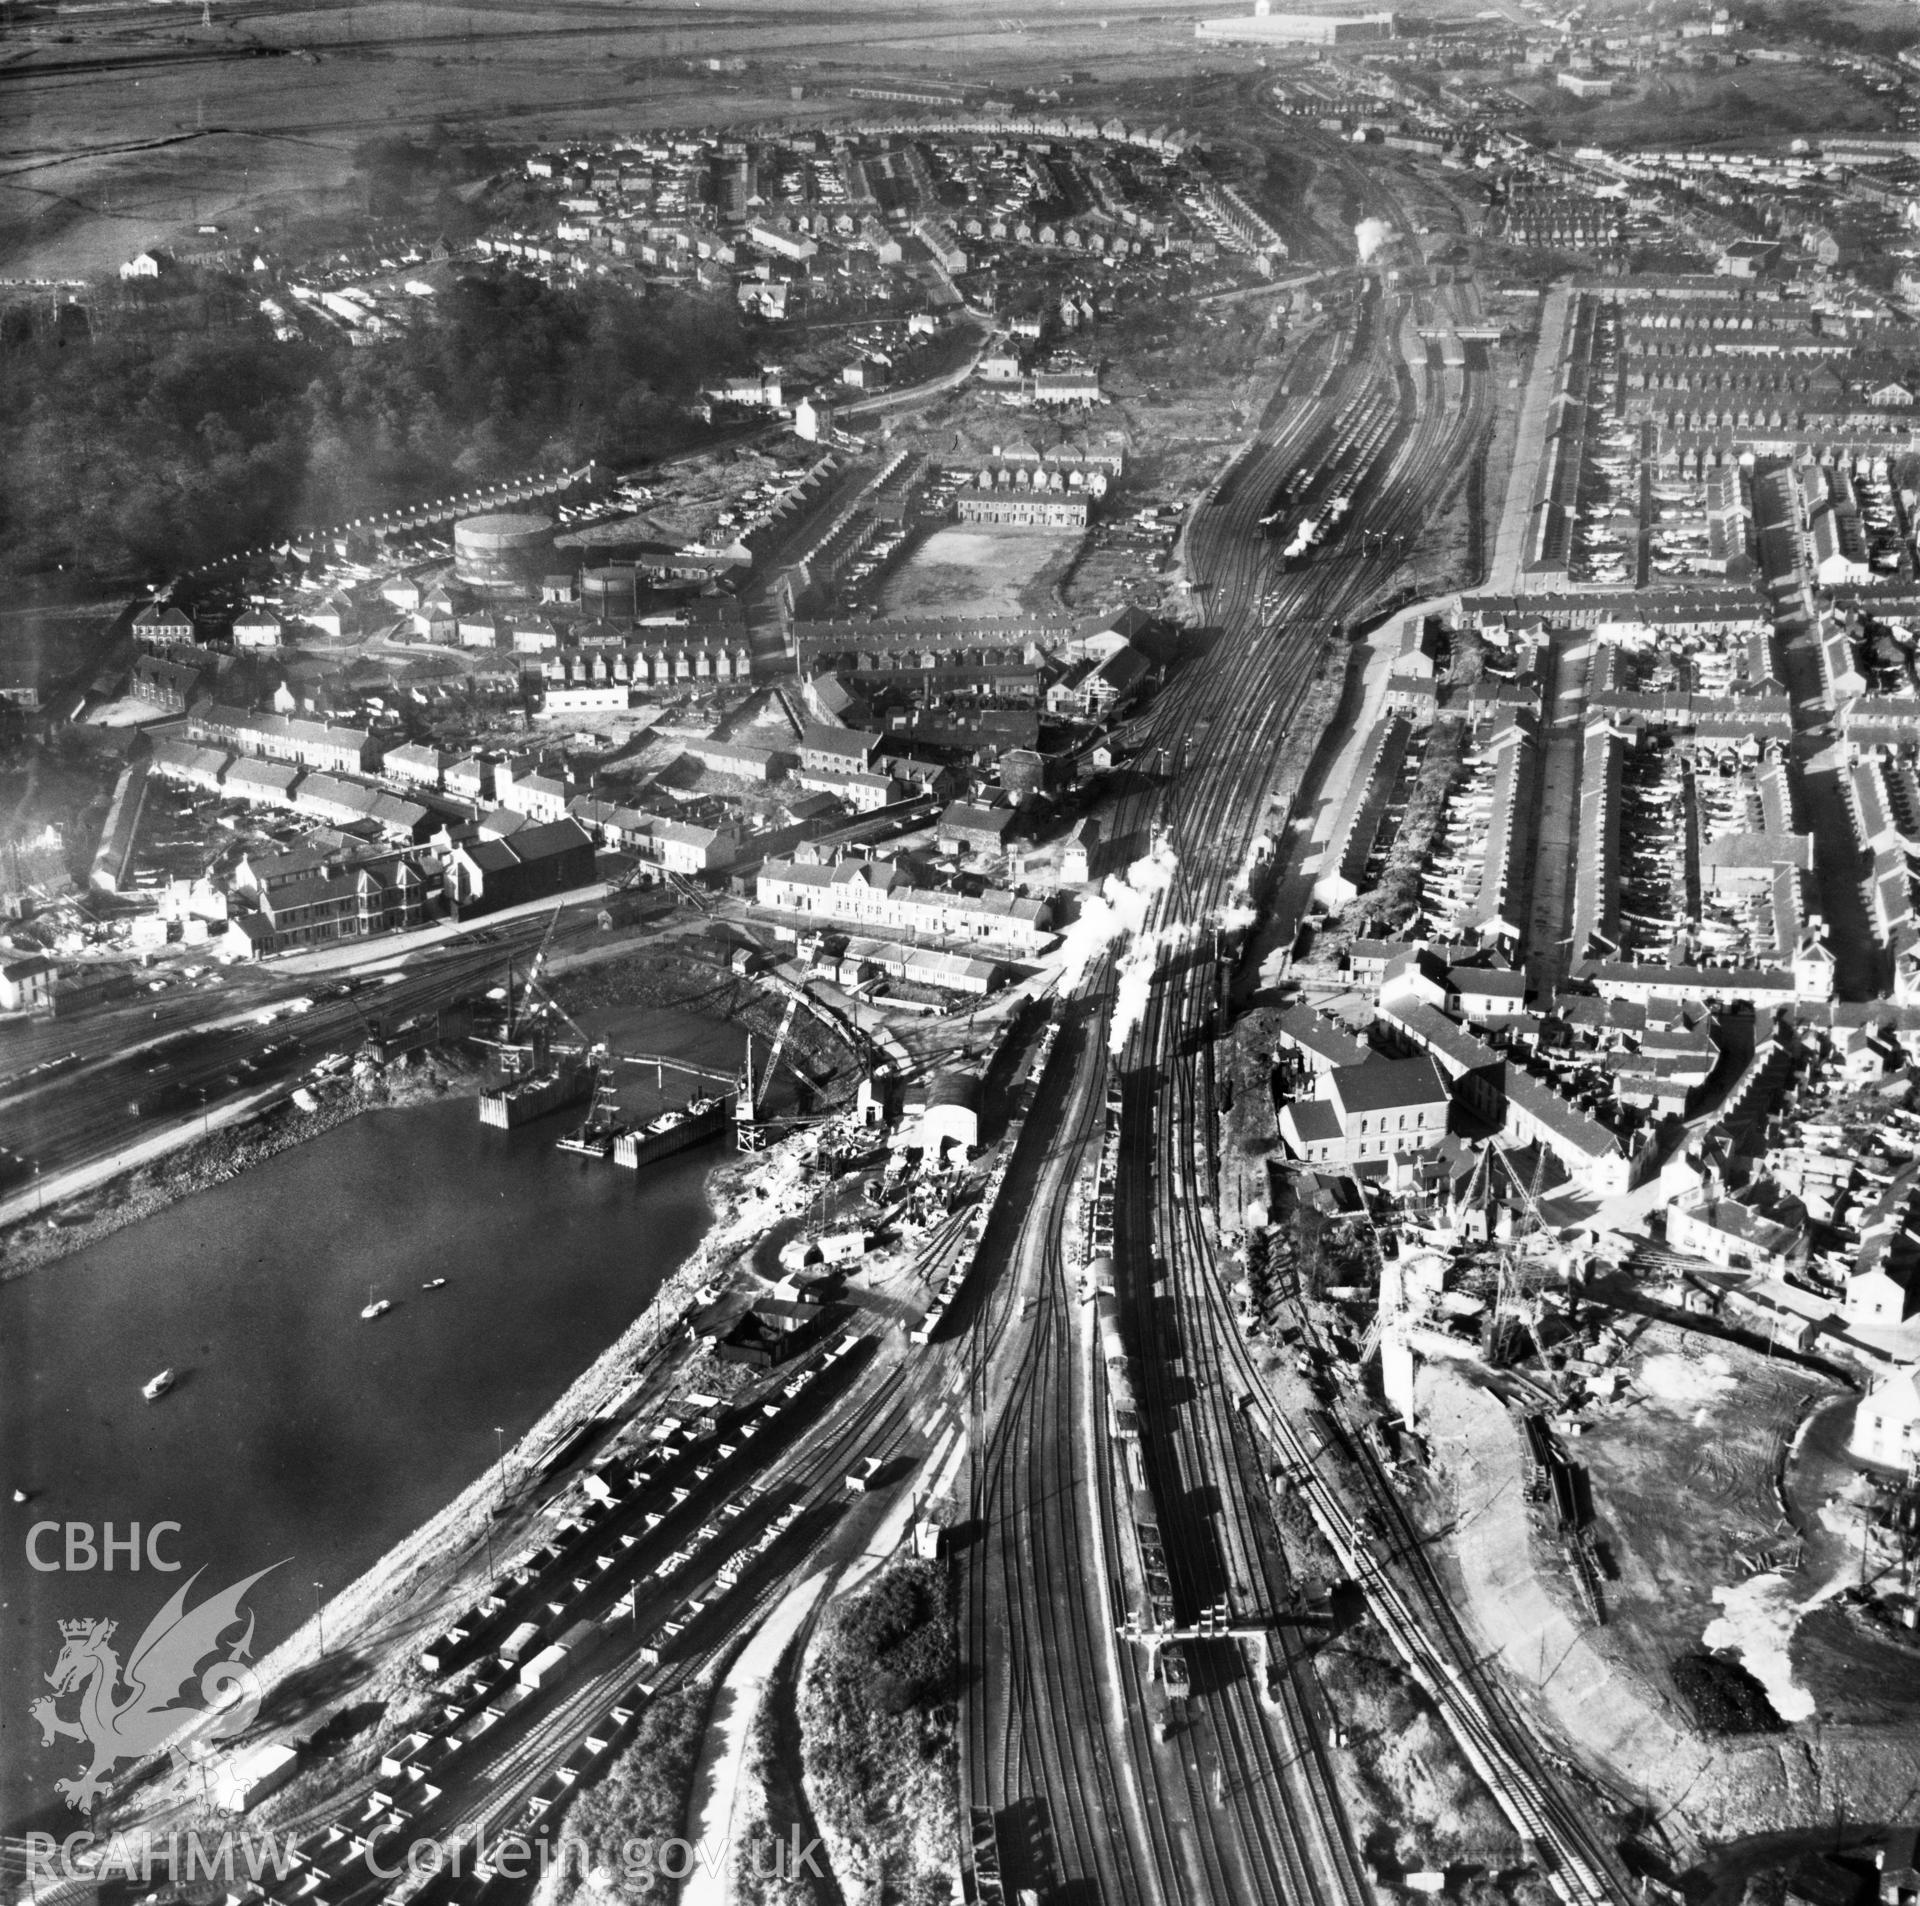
(506,553)
(611,593)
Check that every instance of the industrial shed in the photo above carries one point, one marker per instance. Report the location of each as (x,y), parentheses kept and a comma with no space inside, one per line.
(952,1116)
(965,828)
(535,862)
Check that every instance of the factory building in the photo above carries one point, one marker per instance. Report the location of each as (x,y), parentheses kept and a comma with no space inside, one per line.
(1265,28)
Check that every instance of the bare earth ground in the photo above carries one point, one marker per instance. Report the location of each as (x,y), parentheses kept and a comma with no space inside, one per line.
(985,572)
(1681,1487)
(1121,572)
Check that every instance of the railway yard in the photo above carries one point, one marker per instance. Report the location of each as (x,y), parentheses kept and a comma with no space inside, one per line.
(1279,727)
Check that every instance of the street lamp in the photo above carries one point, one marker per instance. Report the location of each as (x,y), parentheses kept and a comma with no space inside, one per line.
(500,1466)
(319,1624)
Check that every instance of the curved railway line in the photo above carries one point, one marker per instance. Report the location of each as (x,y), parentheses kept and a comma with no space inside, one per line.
(1266,654)
(1241,1802)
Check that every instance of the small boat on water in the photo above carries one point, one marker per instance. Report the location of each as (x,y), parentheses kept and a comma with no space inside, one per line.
(433,1284)
(156,1387)
(374,1306)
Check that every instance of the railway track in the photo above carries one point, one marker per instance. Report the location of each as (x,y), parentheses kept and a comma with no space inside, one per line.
(1037,1754)
(1210,818)
(1055,1726)
(1265,1819)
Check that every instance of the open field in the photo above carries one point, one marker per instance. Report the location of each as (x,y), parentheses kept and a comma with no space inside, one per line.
(127,132)
(1755,101)
(976,571)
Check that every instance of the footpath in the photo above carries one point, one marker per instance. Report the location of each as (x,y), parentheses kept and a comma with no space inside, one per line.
(1507,571)
(720,1777)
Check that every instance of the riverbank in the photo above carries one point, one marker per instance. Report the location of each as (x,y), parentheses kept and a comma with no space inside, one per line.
(412,1592)
(361,1650)
(348,1676)
(221,1156)
(599,978)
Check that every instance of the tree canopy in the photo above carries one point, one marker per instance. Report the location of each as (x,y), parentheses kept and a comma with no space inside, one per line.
(152,457)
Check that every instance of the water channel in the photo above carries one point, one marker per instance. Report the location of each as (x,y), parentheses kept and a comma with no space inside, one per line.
(296,1430)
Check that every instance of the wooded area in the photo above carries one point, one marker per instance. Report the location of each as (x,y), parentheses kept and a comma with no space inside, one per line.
(137,456)
(877,1717)
(641,1800)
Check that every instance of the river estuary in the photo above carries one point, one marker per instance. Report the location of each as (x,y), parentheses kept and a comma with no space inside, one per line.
(296,1432)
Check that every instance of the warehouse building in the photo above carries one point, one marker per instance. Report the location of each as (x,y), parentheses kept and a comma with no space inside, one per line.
(484,875)
(1264,28)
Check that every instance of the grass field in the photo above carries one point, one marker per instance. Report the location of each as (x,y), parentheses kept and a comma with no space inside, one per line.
(977,571)
(1755,102)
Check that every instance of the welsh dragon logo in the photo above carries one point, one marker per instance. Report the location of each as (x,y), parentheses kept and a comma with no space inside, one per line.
(150,1715)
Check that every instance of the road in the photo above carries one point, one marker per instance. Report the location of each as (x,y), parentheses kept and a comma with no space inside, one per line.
(69,1086)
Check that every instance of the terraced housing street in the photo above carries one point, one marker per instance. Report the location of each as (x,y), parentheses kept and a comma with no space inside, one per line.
(959,958)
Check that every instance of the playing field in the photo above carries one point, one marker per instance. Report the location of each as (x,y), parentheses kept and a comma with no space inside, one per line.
(978,571)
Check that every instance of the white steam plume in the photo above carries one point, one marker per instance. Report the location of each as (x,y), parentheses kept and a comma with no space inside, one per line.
(1137,972)
(1112,917)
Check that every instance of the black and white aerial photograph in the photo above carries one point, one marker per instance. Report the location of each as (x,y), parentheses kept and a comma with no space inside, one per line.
(959,957)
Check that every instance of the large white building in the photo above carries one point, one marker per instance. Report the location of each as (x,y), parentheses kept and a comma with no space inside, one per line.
(880,897)
(1265,28)
(1886,1424)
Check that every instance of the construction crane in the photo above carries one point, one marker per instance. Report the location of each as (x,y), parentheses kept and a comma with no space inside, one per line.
(1514,1272)
(1370,1341)
(533,971)
(748,1133)
(756,1092)
(1474,1196)
(546,997)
